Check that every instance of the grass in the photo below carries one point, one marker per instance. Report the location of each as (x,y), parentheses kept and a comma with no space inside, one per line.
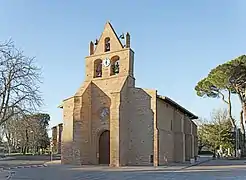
(30,154)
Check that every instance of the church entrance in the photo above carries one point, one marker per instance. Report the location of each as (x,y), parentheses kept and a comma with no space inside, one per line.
(104,148)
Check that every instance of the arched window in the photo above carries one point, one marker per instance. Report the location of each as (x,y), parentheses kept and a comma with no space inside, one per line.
(98,68)
(107,44)
(115,65)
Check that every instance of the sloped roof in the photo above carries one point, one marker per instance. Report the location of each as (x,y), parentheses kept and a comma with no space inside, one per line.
(179,107)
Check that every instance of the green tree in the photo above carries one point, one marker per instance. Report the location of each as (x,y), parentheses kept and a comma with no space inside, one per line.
(207,87)
(28,133)
(223,81)
(237,80)
(42,136)
(231,76)
(38,124)
(225,77)
(217,131)
(202,140)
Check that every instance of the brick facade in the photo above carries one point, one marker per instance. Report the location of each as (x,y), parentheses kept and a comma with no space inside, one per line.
(54,139)
(57,138)
(145,128)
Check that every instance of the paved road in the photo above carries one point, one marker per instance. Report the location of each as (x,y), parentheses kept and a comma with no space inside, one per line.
(212,170)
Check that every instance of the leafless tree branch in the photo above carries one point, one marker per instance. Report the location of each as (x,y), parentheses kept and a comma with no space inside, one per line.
(19,82)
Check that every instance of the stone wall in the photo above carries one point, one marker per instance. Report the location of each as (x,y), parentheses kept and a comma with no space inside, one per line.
(175,128)
(59,137)
(165,118)
(194,139)
(130,109)
(141,126)
(179,137)
(188,139)
(54,139)
(67,147)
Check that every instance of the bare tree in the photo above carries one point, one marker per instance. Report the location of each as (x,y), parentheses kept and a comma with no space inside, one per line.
(19,83)
(27,133)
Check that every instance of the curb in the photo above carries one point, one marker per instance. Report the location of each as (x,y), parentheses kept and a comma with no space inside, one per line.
(20,167)
(11,173)
(6,158)
(196,164)
(51,163)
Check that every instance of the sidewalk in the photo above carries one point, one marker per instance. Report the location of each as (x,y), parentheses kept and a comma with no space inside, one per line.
(172,166)
(4,174)
(187,164)
(6,158)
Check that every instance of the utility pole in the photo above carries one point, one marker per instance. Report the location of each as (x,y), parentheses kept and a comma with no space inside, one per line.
(51,150)
(236,142)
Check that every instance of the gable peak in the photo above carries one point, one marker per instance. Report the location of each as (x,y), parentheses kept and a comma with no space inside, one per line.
(108,38)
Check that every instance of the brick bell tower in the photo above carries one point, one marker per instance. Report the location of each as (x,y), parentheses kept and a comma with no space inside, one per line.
(109,57)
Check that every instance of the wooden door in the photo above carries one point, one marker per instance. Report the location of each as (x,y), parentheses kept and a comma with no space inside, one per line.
(104,148)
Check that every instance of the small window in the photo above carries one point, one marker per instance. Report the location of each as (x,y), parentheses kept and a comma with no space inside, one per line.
(107,44)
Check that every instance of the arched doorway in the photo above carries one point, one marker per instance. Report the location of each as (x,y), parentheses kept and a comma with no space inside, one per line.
(104,148)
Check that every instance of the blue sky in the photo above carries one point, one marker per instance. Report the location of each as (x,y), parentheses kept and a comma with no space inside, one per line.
(176,42)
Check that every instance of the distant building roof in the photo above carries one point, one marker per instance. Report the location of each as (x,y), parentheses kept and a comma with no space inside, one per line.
(176,105)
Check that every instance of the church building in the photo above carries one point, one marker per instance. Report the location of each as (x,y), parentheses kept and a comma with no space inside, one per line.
(111,121)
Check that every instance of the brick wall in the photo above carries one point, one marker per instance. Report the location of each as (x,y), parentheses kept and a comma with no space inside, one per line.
(54,139)
(67,136)
(165,118)
(141,126)
(59,137)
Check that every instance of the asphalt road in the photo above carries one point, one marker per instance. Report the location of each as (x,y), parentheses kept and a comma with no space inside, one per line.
(14,161)
(212,170)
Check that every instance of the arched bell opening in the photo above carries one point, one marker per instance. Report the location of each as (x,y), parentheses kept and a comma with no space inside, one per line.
(115,65)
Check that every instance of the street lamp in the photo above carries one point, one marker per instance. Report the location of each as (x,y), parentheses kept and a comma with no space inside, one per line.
(51,147)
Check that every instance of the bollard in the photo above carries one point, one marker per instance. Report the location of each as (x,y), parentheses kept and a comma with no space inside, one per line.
(192,160)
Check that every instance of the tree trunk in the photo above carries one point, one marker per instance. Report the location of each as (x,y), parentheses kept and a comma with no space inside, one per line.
(242,119)
(9,149)
(24,150)
(9,144)
(199,149)
(230,111)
